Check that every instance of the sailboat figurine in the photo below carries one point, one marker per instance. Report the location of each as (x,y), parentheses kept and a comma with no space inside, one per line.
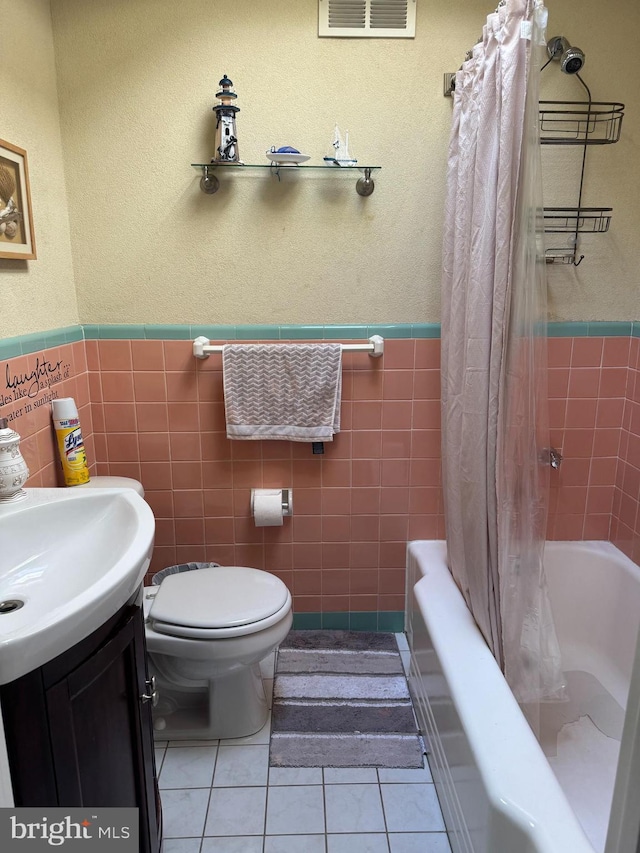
(340,155)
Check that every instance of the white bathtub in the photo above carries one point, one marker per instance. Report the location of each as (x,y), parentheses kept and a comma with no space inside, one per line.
(498,791)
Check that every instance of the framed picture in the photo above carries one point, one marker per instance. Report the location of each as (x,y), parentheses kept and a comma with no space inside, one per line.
(17,239)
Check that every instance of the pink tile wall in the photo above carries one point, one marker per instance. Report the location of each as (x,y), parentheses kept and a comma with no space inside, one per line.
(39,376)
(625,526)
(149,410)
(587,392)
(158,416)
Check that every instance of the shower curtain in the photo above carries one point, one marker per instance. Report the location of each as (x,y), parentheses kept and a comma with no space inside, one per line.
(494,352)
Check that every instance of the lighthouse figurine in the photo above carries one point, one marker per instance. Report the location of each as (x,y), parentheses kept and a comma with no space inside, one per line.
(226,141)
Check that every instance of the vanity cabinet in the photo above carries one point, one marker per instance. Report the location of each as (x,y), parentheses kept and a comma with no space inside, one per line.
(79,729)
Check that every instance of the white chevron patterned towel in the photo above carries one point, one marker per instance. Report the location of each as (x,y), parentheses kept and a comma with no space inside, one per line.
(287,392)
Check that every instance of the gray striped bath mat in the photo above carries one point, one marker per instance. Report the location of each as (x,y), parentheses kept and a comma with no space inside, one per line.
(340,699)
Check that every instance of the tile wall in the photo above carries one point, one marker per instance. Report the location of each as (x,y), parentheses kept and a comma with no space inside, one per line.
(587,392)
(53,369)
(149,410)
(625,523)
(158,416)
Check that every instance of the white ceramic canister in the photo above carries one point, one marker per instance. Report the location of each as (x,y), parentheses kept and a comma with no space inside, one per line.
(13,468)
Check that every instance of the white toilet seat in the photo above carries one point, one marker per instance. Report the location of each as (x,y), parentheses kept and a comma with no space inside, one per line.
(218,602)
(221,633)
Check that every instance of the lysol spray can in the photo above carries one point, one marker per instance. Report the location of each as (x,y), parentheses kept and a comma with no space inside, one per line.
(70,443)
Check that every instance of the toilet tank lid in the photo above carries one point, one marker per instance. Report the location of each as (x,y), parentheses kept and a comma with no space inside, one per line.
(113,483)
(218,597)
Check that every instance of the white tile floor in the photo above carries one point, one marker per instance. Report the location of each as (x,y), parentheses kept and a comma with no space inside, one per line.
(222,797)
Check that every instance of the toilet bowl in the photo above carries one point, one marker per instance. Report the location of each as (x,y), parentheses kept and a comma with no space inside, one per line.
(207,631)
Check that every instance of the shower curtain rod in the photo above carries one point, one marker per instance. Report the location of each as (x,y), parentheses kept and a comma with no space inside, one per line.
(469,53)
(450,76)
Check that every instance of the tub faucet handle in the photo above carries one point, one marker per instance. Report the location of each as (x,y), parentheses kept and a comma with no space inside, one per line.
(551,456)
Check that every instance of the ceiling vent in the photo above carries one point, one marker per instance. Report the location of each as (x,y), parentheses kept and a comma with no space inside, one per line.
(367,18)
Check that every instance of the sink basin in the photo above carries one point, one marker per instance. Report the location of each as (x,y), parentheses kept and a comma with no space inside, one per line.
(69,559)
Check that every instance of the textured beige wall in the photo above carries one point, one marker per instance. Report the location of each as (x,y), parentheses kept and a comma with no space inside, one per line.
(35,295)
(136,80)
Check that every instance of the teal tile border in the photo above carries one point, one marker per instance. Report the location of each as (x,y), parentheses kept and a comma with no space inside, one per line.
(344,332)
(363,621)
(115,332)
(25,344)
(262,332)
(247,332)
(592,329)
(258,332)
(391,620)
(335,621)
(10,348)
(214,333)
(425,330)
(167,332)
(300,333)
(384,620)
(610,330)
(307,621)
(390,330)
(567,330)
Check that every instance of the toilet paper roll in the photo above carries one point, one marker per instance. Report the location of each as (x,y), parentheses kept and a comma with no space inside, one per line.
(267,507)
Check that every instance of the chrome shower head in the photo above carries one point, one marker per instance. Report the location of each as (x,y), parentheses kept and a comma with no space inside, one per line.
(571,58)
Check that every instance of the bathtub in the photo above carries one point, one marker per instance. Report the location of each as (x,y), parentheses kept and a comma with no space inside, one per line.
(497,788)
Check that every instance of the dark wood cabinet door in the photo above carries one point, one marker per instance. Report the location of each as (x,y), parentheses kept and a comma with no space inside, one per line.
(99,734)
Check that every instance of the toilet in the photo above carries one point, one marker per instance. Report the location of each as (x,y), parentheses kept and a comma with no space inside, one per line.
(207,630)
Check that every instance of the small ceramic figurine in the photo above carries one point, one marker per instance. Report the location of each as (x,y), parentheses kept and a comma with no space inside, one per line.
(226,141)
(286,155)
(340,155)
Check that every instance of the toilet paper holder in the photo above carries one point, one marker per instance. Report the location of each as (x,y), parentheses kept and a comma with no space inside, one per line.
(287,501)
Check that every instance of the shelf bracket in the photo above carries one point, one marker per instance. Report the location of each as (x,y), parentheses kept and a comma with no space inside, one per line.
(208,182)
(365,186)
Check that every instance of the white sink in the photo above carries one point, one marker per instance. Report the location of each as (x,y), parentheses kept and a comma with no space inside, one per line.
(69,559)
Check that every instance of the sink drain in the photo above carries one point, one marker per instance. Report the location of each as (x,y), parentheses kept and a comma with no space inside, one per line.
(10,605)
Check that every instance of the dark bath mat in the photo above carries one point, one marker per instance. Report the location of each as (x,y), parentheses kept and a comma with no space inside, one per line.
(341,699)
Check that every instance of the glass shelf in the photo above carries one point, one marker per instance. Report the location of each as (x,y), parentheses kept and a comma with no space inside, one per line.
(209,182)
(324,166)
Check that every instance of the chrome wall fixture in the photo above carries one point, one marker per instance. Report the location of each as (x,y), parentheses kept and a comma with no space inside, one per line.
(581,123)
(571,59)
(550,456)
(576,123)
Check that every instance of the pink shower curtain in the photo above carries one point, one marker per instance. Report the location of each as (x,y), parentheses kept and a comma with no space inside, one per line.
(493,368)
